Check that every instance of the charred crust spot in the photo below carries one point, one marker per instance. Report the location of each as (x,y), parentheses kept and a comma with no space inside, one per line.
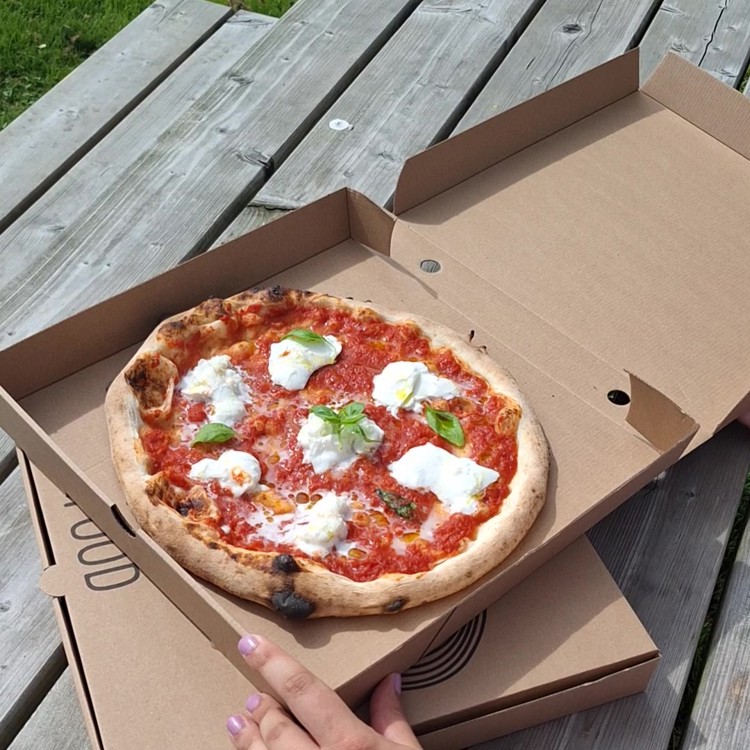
(212,545)
(276,293)
(209,311)
(395,606)
(284,564)
(291,605)
(183,507)
(174,329)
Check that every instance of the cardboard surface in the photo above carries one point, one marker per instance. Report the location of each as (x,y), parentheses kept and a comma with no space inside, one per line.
(585,262)
(563,629)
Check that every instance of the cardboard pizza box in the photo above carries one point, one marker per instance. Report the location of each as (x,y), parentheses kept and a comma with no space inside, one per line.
(563,640)
(564,235)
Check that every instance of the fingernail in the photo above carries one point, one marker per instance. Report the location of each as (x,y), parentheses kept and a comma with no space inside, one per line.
(397,683)
(235,724)
(252,702)
(247,645)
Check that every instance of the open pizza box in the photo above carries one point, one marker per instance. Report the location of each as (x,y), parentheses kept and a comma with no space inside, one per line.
(565,234)
(563,640)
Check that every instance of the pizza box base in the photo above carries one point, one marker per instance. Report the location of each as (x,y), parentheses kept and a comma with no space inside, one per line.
(570,244)
(563,640)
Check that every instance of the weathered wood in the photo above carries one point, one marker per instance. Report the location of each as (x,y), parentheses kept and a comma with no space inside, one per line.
(251,217)
(410,96)
(664,548)
(134,207)
(566,38)
(31,656)
(7,456)
(57,724)
(63,204)
(714,35)
(59,128)
(720,719)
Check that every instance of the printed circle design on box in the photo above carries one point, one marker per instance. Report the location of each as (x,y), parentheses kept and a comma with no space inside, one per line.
(448,659)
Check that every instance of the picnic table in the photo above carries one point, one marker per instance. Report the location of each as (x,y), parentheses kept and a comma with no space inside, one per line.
(195,125)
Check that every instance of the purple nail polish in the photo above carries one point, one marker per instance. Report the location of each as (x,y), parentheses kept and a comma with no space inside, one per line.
(252,702)
(235,725)
(397,683)
(247,645)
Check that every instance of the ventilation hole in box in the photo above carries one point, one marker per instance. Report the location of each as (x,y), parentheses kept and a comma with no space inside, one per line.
(430,266)
(619,398)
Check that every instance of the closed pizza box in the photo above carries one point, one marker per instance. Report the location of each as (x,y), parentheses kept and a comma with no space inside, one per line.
(563,640)
(564,235)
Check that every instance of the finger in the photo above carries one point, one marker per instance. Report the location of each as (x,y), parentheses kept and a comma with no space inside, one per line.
(275,726)
(387,716)
(318,708)
(244,733)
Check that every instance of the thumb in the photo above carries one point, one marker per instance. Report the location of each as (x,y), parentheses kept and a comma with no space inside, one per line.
(387,716)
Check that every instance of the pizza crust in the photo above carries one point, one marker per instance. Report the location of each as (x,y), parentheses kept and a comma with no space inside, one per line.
(295,586)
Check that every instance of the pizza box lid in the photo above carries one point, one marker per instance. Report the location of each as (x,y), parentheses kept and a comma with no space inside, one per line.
(575,641)
(576,250)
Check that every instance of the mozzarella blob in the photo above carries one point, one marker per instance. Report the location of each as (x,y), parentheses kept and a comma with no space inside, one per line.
(220,386)
(291,362)
(405,385)
(457,482)
(326,449)
(235,471)
(320,526)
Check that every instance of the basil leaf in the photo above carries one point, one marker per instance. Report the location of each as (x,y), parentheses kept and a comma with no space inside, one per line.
(326,414)
(213,432)
(400,505)
(446,425)
(352,412)
(305,337)
(359,431)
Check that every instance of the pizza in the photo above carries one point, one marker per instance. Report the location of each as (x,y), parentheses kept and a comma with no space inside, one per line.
(325,457)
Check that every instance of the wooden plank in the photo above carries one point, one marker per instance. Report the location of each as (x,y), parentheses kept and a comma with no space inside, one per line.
(566,38)
(410,96)
(59,128)
(57,724)
(720,719)
(45,223)
(664,548)
(168,180)
(31,656)
(713,35)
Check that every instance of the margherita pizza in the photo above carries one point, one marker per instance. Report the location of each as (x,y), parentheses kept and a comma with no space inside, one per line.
(325,457)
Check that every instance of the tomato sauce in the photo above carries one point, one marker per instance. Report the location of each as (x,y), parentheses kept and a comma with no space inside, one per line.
(381,540)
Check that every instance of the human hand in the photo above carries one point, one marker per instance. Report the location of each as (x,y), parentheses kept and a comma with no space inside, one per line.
(330,724)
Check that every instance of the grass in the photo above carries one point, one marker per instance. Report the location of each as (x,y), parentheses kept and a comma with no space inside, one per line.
(41,41)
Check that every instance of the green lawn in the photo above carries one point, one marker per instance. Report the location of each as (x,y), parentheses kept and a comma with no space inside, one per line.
(41,41)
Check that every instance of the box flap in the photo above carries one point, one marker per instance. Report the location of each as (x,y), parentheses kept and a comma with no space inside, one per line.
(444,165)
(703,101)
(608,247)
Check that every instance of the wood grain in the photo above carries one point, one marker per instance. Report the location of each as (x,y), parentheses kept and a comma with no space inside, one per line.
(664,548)
(566,38)
(713,34)
(31,656)
(59,128)
(44,225)
(410,96)
(720,719)
(57,724)
(165,183)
